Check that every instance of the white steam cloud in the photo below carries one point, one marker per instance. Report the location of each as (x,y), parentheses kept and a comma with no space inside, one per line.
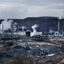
(5,25)
(34,30)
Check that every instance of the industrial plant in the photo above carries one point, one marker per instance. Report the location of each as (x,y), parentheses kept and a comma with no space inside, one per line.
(37,40)
(12,28)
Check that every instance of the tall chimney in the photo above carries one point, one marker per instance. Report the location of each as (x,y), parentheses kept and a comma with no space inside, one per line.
(2,28)
(58,27)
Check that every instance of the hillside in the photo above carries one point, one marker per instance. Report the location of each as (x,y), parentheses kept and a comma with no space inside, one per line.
(44,23)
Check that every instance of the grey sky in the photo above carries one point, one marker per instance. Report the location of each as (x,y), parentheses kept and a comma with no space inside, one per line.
(31,8)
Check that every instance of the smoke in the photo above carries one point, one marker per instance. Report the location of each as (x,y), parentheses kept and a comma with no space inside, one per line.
(5,25)
(34,30)
(14,27)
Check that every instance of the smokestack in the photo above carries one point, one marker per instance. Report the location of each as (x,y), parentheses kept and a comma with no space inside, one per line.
(23,27)
(2,28)
(58,27)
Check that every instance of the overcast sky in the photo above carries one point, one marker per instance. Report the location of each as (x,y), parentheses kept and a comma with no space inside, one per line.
(31,8)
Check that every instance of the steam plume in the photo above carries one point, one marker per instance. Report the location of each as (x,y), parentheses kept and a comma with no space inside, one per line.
(5,25)
(34,30)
